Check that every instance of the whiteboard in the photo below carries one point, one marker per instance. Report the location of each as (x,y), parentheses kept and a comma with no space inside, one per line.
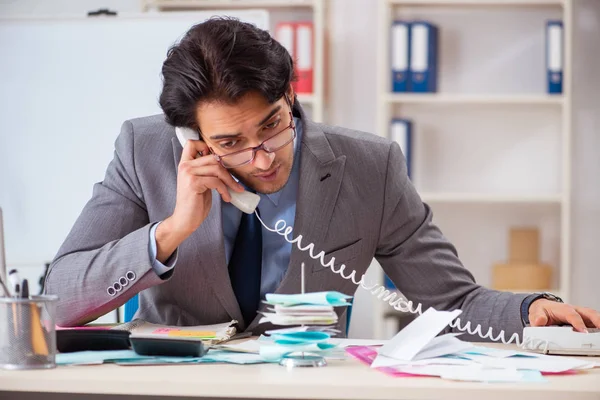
(66,87)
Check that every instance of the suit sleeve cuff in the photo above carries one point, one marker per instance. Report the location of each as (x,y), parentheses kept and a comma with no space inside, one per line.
(525,307)
(159,267)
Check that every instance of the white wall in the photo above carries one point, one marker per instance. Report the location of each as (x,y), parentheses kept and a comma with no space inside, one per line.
(352,102)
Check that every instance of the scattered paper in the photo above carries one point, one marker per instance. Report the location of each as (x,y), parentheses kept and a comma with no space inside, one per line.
(96,357)
(449,367)
(383,361)
(334,299)
(420,334)
(542,363)
(475,374)
(493,352)
(343,343)
(248,346)
(320,328)
(300,337)
(209,334)
(441,346)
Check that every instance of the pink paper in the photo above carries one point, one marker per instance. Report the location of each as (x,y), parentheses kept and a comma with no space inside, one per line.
(367,354)
(81,328)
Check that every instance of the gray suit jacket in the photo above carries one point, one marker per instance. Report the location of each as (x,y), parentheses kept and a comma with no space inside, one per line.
(355,203)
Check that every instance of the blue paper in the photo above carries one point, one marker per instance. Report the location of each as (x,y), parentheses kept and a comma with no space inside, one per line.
(97,357)
(300,337)
(335,299)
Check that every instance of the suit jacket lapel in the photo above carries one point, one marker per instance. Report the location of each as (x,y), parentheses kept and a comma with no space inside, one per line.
(209,247)
(321,176)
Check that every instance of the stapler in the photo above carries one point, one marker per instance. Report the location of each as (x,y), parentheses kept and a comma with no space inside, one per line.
(561,340)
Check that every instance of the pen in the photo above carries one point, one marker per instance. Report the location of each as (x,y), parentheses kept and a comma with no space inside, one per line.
(25,289)
(38,339)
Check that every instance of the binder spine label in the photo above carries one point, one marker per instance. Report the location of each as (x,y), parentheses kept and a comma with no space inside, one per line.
(554,57)
(400,57)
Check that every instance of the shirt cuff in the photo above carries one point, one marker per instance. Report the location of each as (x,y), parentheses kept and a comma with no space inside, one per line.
(159,267)
(525,307)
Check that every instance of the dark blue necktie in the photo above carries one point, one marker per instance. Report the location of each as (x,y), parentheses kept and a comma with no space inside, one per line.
(246,264)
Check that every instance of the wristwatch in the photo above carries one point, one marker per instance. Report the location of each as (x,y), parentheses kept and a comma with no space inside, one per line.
(533,297)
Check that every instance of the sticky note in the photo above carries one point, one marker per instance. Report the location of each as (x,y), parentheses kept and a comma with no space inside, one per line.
(198,334)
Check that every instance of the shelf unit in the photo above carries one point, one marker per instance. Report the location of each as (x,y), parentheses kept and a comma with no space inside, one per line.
(286,9)
(482,198)
(448,103)
(448,99)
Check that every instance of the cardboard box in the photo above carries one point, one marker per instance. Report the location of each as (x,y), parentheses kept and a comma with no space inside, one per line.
(524,246)
(518,277)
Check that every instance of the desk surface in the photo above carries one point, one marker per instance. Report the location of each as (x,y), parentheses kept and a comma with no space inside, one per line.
(347,379)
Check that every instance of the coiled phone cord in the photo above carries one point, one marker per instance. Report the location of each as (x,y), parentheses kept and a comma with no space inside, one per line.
(380,291)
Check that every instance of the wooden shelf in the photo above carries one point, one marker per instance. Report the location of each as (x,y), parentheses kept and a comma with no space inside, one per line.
(490,198)
(447,99)
(479,3)
(225,4)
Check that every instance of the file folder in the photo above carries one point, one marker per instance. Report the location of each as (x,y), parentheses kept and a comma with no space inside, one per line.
(554,56)
(304,54)
(401,132)
(400,56)
(284,34)
(423,57)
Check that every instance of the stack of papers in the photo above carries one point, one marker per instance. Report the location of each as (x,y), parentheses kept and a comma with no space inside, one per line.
(208,334)
(130,357)
(304,309)
(417,350)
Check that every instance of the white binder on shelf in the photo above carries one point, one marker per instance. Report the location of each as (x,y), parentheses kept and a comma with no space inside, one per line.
(401,132)
(423,57)
(554,56)
(284,34)
(304,57)
(400,56)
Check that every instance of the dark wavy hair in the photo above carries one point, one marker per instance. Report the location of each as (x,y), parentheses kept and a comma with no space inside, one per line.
(222,59)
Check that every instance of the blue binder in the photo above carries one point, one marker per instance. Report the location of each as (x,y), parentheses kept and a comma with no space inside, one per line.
(554,56)
(401,132)
(423,57)
(400,56)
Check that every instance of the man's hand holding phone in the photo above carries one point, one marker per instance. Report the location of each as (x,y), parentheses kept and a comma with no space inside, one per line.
(198,173)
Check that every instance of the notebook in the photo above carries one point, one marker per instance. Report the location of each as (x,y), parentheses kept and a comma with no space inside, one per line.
(209,334)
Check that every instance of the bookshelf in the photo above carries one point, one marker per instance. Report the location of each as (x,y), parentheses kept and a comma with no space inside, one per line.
(491,148)
(279,10)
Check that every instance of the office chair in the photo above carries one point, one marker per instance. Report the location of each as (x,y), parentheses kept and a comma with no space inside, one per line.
(130,308)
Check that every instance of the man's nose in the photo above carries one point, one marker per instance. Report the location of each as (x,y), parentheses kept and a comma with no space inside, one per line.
(263,160)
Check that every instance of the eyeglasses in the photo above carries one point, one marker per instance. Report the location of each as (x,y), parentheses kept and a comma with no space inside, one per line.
(270,145)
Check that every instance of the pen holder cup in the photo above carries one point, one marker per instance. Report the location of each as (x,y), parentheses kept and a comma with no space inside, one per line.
(27,332)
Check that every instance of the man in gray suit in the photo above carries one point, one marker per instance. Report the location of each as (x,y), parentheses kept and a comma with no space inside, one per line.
(161,223)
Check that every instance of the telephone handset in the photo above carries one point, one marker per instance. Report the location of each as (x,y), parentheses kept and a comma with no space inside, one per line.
(245,201)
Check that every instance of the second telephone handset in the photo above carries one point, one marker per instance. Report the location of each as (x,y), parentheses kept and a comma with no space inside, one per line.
(245,201)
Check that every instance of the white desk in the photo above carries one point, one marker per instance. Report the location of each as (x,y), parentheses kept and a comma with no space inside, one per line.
(339,380)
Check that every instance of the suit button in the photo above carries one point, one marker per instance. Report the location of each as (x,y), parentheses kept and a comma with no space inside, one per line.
(117,286)
(123,281)
(111,291)
(130,275)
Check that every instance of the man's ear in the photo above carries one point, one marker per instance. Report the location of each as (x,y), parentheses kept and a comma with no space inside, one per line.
(290,95)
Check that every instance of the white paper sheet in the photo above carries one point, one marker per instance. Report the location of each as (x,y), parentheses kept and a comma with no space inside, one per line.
(418,334)
(383,361)
(540,363)
(343,343)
